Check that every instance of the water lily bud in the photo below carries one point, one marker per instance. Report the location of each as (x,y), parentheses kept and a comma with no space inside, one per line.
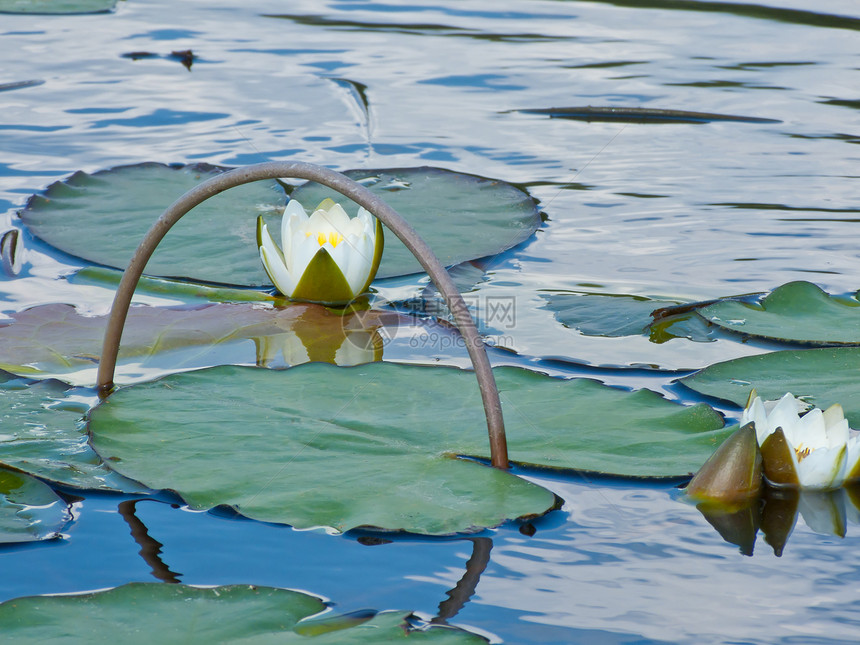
(732,475)
(327,257)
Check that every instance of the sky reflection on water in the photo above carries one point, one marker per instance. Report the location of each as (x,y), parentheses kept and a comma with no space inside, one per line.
(683,211)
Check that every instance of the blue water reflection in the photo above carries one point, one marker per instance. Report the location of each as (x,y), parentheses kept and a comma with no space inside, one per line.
(675,211)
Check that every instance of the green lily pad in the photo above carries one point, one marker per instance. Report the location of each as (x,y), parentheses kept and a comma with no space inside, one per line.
(372,445)
(29,510)
(41,433)
(227,614)
(56,6)
(821,376)
(462,217)
(56,341)
(103,217)
(798,312)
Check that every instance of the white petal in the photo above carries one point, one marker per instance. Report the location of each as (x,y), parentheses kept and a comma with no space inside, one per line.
(364,246)
(333,220)
(822,468)
(749,412)
(337,216)
(354,228)
(343,257)
(368,221)
(852,458)
(809,431)
(800,405)
(278,273)
(292,233)
(784,415)
(295,209)
(294,215)
(352,265)
(834,414)
(359,245)
(836,425)
(303,252)
(757,414)
(319,223)
(361,259)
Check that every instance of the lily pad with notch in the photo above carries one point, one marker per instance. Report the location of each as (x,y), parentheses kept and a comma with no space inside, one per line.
(376,445)
(225,614)
(102,218)
(796,312)
(821,376)
(461,217)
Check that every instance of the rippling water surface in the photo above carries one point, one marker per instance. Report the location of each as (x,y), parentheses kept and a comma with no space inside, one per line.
(668,210)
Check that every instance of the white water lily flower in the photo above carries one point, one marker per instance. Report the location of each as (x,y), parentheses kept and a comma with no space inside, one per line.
(813,450)
(327,257)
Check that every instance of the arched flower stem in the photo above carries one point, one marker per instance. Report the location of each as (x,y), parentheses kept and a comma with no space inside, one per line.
(359,194)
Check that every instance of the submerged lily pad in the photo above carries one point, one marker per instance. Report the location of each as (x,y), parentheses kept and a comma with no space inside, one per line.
(462,217)
(820,376)
(41,433)
(616,315)
(103,276)
(186,614)
(29,510)
(797,312)
(611,315)
(56,341)
(56,6)
(372,445)
(103,217)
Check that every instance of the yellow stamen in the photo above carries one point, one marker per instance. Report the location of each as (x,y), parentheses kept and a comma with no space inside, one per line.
(335,238)
(802,453)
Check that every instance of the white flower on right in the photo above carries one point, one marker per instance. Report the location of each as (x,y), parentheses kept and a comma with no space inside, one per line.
(815,449)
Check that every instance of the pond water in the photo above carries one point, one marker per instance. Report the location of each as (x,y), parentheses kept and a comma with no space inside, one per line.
(669,211)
